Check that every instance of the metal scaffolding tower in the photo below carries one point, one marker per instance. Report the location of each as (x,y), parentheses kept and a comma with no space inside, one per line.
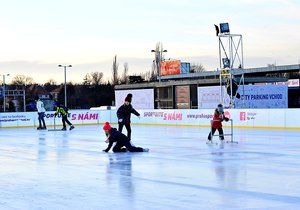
(232,67)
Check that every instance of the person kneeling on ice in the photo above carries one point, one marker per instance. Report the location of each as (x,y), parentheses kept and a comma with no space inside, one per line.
(217,123)
(113,135)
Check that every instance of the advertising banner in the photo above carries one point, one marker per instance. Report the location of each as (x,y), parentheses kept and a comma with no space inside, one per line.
(266,96)
(182,97)
(142,98)
(169,67)
(245,118)
(255,96)
(209,97)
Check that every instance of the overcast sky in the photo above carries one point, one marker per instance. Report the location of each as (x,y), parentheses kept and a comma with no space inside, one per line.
(37,35)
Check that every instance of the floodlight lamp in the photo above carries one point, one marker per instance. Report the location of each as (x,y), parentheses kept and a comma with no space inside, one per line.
(217,30)
(224,27)
(226,63)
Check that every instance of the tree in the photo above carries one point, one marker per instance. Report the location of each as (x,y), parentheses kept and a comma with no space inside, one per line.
(115,67)
(197,68)
(124,78)
(96,78)
(93,78)
(22,80)
(50,82)
(87,79)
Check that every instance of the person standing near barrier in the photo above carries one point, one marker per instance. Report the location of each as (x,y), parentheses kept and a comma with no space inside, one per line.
(217,123)
(41,113)
(63,111)
(124,114)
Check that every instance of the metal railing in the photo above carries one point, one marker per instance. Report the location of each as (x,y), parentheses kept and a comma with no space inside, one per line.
(224,134)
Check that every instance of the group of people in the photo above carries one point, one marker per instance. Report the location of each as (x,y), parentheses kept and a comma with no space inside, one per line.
(123,142)
(58,108)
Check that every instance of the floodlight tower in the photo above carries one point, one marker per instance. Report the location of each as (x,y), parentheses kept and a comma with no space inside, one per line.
(231,62)
(159,57)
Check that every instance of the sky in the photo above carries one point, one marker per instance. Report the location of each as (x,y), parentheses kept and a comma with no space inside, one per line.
(38,35)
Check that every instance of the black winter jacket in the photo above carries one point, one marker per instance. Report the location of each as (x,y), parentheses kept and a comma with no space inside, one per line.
(124,113)
(116,136)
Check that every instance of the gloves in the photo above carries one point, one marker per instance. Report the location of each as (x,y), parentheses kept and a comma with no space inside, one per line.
(226,119)
(120,120)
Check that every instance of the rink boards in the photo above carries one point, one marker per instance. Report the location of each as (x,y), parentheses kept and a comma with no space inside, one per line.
(243,118)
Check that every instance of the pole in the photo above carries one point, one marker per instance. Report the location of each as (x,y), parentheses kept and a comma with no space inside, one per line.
(65,68)
(3,93)
(24,100)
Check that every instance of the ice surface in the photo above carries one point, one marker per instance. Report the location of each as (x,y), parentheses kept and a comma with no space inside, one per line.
(68,170)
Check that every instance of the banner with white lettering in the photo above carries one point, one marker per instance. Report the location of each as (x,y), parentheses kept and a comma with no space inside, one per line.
(263,96)
(252,96)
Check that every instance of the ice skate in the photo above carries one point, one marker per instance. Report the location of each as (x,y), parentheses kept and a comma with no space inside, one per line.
(146,150)
(209,141)
(72,127)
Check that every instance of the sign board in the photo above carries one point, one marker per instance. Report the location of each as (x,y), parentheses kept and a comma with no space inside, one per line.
(141,99)
(182,97)
(255,96)
(170,67)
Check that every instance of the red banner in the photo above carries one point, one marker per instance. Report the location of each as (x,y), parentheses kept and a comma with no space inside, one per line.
(169,67)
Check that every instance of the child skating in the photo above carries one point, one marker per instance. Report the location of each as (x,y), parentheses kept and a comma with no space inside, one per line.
(63,111)
(217,123)
(122,142)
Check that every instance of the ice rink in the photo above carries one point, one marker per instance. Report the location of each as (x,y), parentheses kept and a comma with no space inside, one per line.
(68,170)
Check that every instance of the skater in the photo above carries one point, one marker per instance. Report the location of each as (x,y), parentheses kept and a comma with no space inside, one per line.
(217,123)
(124,114)
(122,142)
(234,89)
(41,113)
(60,109)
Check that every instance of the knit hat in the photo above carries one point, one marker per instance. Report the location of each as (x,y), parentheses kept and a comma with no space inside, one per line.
(106,126)
(128,97)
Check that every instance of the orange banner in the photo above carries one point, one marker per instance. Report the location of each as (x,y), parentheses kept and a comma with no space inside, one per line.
(169,67)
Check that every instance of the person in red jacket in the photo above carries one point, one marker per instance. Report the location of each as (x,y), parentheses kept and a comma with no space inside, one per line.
(217,123)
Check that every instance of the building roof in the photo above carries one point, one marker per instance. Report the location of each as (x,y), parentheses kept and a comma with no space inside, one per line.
(251,75)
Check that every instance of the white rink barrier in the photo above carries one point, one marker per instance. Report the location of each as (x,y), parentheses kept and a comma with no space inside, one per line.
(247,118)
(76,117)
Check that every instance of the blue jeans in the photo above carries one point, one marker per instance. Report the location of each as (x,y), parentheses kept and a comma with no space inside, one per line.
(41,119)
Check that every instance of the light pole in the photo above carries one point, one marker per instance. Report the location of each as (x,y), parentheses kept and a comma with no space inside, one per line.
(4,107)
(158,57)
(65,71)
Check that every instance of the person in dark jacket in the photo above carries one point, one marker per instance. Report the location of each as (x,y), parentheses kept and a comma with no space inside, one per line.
(63,111)
(124,114)
(217,122)
(122,142)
